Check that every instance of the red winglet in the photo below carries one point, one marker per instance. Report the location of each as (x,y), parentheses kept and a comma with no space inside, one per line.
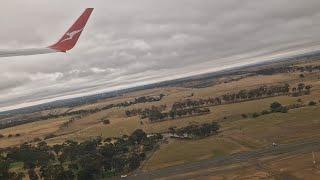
(70,38)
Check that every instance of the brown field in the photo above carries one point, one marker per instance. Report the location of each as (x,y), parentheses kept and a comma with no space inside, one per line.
(237,134)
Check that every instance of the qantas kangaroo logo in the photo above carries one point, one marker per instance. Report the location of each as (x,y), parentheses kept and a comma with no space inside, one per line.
(70,35)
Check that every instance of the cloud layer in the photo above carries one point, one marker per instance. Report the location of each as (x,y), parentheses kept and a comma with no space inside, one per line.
(134,42)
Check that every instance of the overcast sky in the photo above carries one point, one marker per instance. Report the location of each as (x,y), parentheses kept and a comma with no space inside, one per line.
(132,42)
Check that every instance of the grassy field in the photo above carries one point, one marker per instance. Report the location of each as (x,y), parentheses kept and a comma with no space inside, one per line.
(242,135)
(91,126)
(238,134)
(180,152)
(29,131)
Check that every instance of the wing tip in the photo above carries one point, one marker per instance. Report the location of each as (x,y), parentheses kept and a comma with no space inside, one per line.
(70,38)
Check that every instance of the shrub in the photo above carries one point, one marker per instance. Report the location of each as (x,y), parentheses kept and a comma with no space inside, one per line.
(49,136)
(255,115)
(276,106)
(36,139)
(264,112)
(108,140)
(244,115)
(312,103)
(284,110)
(106,121)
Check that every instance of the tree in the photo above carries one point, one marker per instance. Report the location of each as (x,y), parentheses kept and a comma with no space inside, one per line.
(172,130)
(284,109)
(308,88)
(312,103)
(106,121)
(255,115)
(301,75)
(4,169)
(275,106)
(134,161)
(32,174)
(137,136)
(301,86)
(294,89)
(56,172)
(6,174)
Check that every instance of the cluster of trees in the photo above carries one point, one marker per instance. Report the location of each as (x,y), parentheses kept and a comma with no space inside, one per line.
(195,131)
(188,103)
(156,115)
(83,113)
(10,135)
(190,107)
(288,69)
(301,89)
(312,103)
(242,95)
(144,113)
(70,121)
(144,99)
(5,172)
(105,120)
(277,107)
(261,92)
(91,159)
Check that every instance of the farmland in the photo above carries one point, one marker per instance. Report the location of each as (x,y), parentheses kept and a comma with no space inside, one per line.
(247,121)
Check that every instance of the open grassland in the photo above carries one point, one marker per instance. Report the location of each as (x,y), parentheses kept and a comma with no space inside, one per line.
(91,126)
(242,135)
(180,152)
(291,167)
(29,131)
(237,133)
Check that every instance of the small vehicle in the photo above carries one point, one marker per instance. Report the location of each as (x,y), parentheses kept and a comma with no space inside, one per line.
(124,176)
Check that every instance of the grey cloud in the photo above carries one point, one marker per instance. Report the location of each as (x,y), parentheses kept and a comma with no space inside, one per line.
(133,42)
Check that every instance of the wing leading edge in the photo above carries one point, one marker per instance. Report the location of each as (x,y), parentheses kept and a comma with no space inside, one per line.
(66,43)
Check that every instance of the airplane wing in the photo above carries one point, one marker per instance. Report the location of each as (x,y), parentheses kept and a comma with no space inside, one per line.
(66,43)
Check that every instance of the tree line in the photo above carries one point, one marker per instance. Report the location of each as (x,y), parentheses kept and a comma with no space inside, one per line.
(277,107)
(242,95)
(158,113)
(301,89)
(83,113)
(144,113)
(288,69)
(191,107)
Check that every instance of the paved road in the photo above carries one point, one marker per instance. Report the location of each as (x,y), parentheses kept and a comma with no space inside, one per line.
(300,147)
